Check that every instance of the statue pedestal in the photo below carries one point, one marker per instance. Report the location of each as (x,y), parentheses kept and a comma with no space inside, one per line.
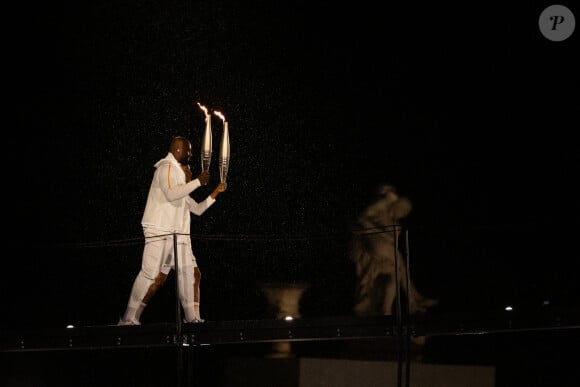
(311,372)
(284,298)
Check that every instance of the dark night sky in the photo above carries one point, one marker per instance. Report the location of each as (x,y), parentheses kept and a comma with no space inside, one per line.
(469,111)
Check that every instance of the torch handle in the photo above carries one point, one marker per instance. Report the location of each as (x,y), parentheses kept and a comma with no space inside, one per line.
(206,145)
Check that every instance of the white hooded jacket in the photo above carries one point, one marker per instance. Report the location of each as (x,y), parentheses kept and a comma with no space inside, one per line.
(168,204)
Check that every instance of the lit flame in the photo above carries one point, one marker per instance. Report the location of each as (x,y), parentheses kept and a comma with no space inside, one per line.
(203,108)
(220,115)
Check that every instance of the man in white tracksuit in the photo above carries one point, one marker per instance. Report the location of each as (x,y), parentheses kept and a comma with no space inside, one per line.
(167,212)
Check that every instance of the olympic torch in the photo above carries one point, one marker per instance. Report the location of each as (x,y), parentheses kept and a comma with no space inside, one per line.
(224,158)
(206,141)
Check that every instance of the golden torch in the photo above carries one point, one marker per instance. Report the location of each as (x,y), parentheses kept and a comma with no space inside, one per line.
(206,141)
(224,159)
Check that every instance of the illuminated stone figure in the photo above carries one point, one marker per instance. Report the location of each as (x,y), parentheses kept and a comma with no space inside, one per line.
(374,251)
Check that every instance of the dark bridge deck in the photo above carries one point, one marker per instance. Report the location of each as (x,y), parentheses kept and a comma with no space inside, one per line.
(521,349)
(303,329)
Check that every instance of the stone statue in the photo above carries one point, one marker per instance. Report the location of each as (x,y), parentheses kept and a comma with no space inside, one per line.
(373,251)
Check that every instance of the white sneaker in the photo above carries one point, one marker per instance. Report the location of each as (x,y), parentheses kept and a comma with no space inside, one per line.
(128,322)
(194,321)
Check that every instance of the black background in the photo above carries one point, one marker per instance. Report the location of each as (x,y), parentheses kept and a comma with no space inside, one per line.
(468,110)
